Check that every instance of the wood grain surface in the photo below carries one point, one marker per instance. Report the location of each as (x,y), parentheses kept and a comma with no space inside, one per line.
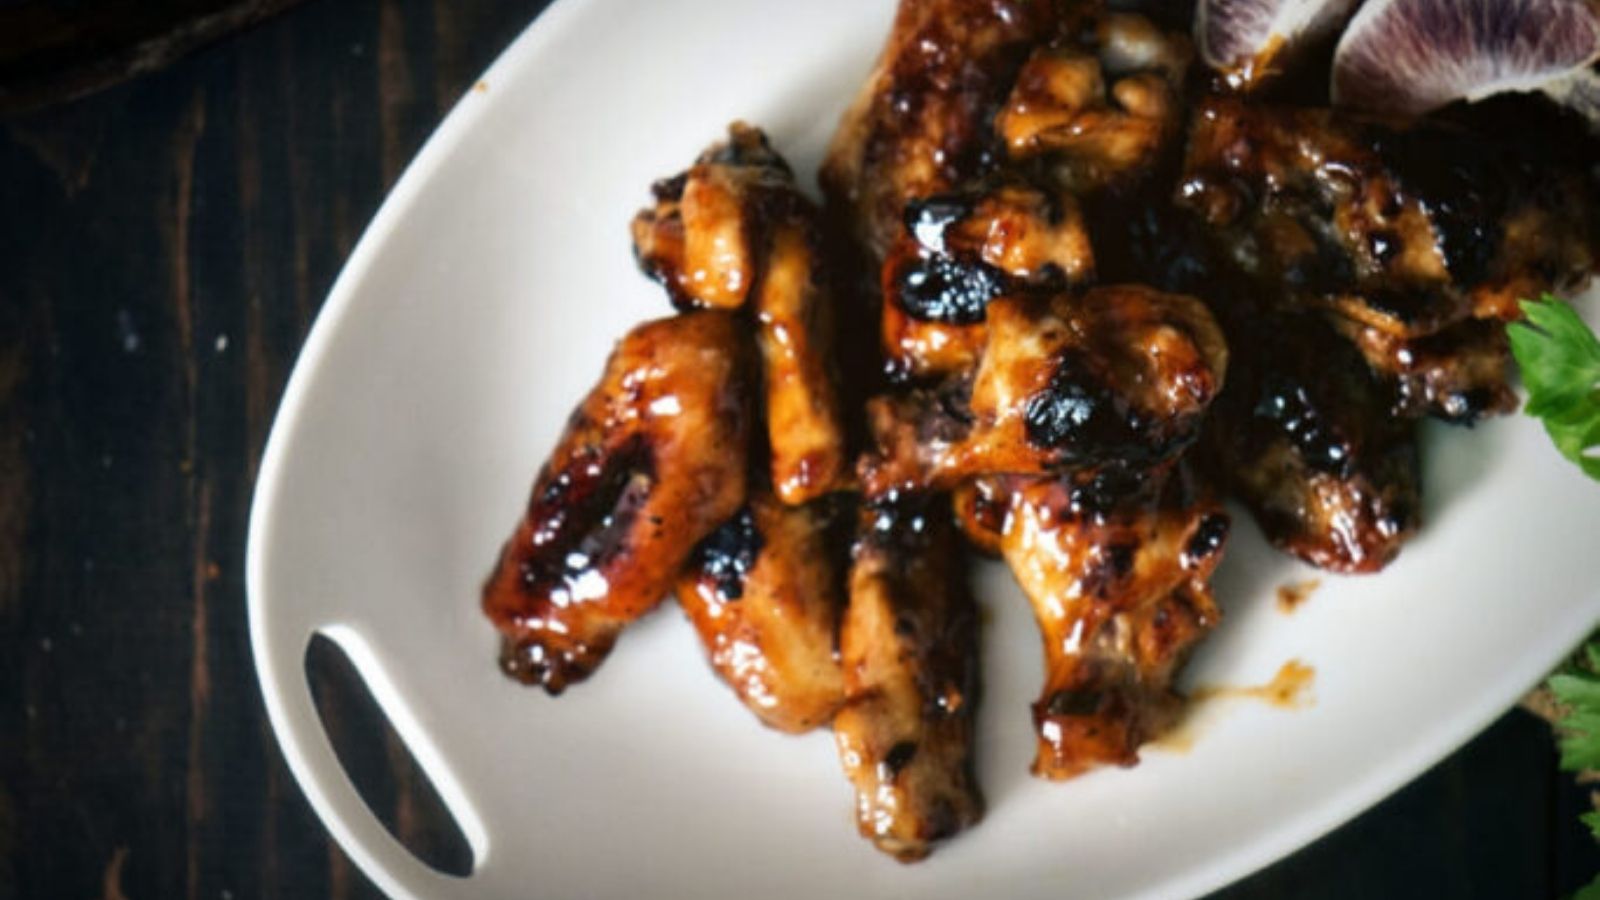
(164,246)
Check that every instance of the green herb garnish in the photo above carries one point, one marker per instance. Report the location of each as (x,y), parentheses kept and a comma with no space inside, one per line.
(1560,361)
(1576,690)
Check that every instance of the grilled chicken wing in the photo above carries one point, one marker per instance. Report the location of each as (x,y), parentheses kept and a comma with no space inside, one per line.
(735,230)
(764,593)
(650,463)
(1116,376)
(909,646)
(1118,576)
(961,250)
(1100,105)
(703,237)
(1304,435)
(1405,228)
(921,122)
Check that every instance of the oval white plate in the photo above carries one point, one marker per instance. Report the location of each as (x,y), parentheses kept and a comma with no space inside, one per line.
(478,309)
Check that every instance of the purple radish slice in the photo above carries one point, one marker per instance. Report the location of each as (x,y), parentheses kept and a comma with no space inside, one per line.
(1414,56)
(1247,39)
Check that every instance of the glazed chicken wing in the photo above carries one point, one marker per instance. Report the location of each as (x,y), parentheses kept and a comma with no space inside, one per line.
(1407,228)
(909,645)
(765,595)
(1099,107)
(1119,579)
(920,125)
(963,249)
(1304,435)
(1116,376)
(734,231)
(650,463)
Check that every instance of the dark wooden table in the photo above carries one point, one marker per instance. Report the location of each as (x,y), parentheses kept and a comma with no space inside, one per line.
(163,248)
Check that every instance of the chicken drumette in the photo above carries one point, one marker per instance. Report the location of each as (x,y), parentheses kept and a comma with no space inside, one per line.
(1118,572)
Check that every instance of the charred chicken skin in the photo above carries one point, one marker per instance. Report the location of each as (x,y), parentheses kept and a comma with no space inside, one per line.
(1118,572)
(1116,376)
(908,644)
(1099,106)
(650,463)
(734,231)
(960,251)
(1406,227)
(765,596)
(1305,436)
(920,125)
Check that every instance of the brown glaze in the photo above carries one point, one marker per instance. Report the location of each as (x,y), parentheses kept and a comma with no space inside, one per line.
(650,463)
(1293,595)
(1304,435)
(962,250)
(1460,374)
(703,237)
(1289,688)
(1121,589)
(794,329)
(981,506)
(764,593)
(1100,106)
(1116,376)
(920,125)
(1405,227)
(733,231)
(909,649)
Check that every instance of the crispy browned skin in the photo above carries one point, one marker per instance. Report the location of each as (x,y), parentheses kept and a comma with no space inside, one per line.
(909,648)
(1099,105)
(1305,436)
(1119,579)
(794,329)
(1459,374)
(960,251)
(920,124)
(1406,228)
(765,595)
(650,463)
(703,238)
(1118,375)
(735,230)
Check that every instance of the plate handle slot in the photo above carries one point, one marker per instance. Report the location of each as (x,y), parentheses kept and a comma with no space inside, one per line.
(330,789)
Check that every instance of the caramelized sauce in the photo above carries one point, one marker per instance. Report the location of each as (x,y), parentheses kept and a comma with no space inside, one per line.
(1289,689)
(1291,596)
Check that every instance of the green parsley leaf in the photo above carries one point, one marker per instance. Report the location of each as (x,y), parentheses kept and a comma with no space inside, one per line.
(1592,819)
(1560,361)
(1579,692)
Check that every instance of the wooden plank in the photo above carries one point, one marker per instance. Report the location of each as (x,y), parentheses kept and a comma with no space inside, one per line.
(52,52)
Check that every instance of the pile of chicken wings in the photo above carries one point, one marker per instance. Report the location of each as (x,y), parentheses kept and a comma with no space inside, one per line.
(1066,294)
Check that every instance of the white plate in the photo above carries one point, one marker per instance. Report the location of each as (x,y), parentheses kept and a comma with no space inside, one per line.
(478,309)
